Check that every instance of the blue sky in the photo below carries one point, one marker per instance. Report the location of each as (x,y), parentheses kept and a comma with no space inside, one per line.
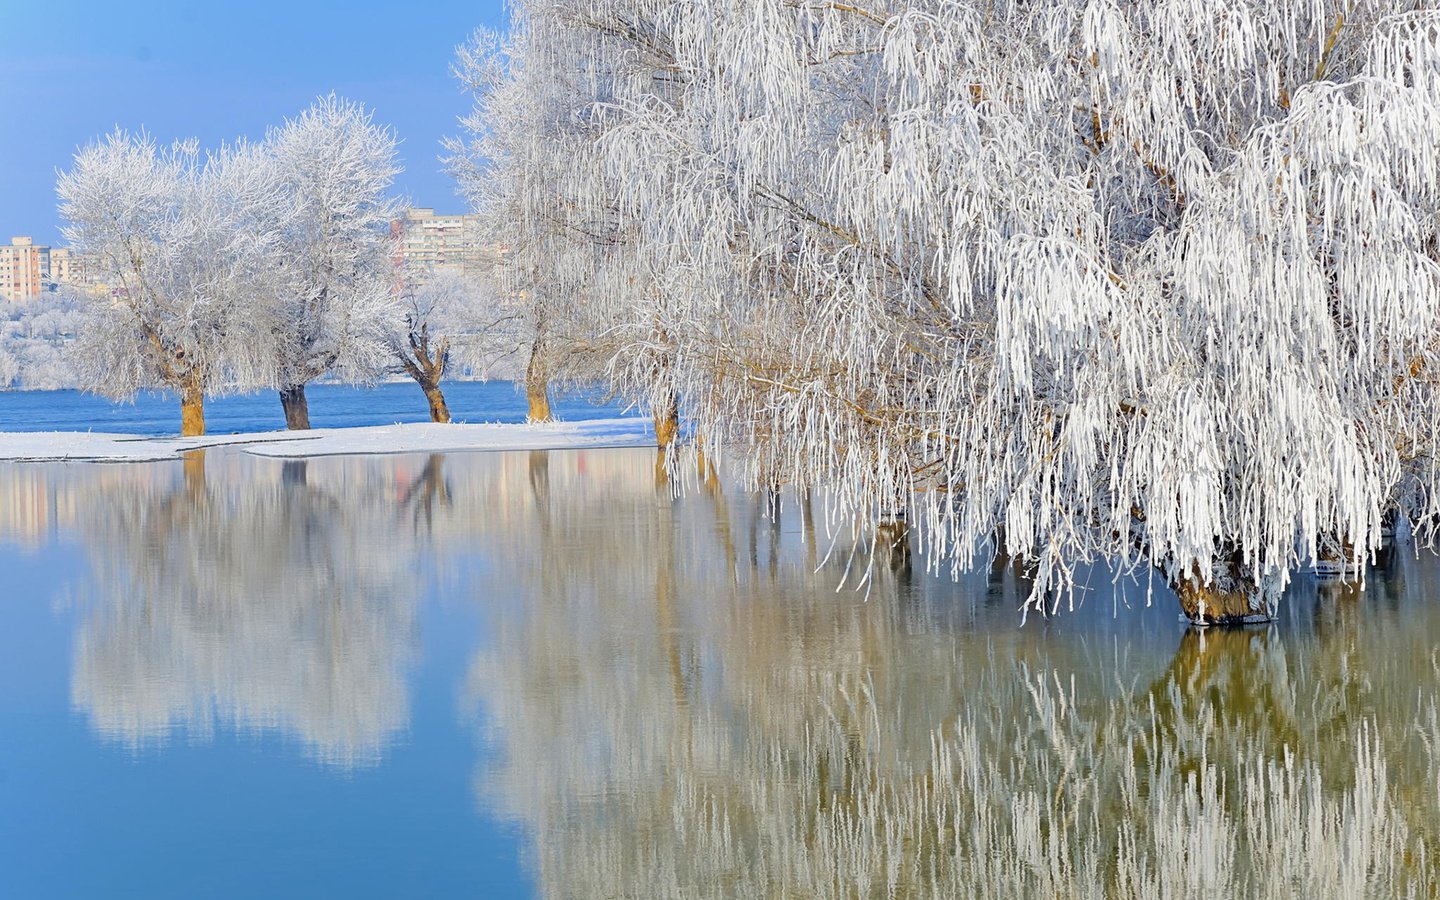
(75,69)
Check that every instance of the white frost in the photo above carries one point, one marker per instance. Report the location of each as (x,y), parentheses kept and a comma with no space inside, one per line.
(1150,282)
(407,438)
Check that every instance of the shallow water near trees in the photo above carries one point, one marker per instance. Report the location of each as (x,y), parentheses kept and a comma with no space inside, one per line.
(544,674)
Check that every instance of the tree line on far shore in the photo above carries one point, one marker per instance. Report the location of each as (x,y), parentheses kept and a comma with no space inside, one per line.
(35,340)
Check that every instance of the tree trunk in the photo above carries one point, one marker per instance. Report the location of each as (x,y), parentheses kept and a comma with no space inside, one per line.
(539,396)
(297,408)
(1335,558)
(892,541)
(1231,597)
(192,407)
(667,421)
(537,387)
(439,412)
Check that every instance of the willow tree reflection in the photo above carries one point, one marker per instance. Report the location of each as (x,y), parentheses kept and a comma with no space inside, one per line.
(256,596)
(672,723)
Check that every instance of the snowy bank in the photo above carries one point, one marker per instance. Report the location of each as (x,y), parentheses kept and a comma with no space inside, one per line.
(411,438)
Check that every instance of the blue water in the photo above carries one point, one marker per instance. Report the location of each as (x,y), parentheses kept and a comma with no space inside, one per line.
(331,406)
(226,812)
(532,674)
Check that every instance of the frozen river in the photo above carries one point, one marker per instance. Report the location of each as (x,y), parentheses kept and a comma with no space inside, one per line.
(540,674)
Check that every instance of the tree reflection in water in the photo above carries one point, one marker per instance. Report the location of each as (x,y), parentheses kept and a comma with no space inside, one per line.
(235,597)
(670,723)
(683,705)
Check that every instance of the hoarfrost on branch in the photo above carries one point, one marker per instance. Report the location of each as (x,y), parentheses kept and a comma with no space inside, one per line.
(1148,282)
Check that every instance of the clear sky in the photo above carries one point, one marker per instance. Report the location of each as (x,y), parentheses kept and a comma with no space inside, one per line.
(72,70)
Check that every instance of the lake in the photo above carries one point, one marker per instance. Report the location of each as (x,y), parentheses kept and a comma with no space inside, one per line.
(331,406)
(552,675)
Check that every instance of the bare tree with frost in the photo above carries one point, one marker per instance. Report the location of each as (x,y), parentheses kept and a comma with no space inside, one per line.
(443,319)
(1152,283)
(180,238)
(335,289)
(527,153)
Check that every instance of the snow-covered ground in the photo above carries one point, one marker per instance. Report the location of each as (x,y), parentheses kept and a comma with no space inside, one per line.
(410,438)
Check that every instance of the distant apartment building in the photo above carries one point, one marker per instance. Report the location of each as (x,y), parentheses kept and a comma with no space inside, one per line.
(24,269)
(28,269)
(70,268)
(427,244)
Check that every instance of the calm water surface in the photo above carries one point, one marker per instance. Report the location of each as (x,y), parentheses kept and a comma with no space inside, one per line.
(539,674)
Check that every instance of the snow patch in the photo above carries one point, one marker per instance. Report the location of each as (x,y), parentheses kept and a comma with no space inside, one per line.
(408,438)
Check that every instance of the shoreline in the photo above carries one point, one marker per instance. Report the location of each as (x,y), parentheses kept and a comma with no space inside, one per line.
(364,440)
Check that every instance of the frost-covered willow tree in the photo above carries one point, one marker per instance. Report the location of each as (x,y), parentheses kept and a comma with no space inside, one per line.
(1153,283)
(334,286)
(182,239)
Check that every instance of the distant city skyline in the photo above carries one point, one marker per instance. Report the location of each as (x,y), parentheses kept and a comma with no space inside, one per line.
(77,70)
